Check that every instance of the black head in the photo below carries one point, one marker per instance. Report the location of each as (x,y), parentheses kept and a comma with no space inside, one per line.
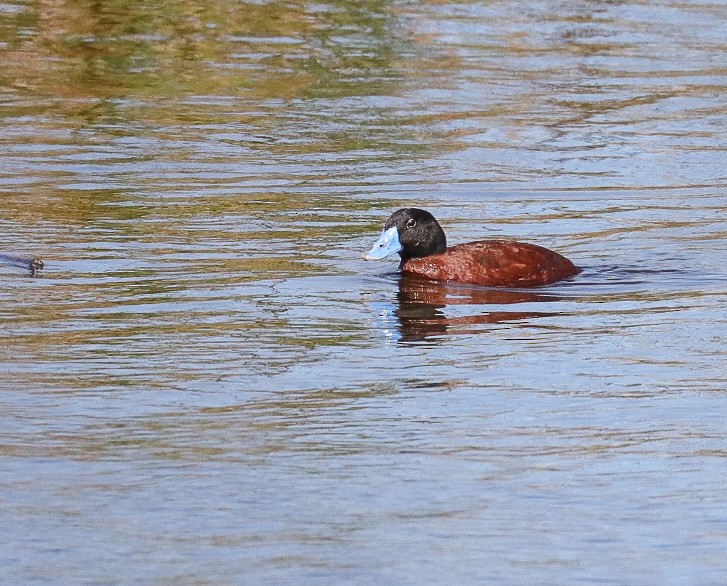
(419,233)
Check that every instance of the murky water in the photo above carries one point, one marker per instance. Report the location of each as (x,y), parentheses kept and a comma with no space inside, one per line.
(207,384)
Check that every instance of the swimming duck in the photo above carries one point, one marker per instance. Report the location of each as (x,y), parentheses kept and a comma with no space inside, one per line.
(420,241)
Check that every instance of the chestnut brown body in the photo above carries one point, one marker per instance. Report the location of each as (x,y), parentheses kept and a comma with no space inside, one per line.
(494,263)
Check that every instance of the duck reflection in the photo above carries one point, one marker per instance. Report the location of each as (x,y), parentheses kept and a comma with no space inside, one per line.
(420,305)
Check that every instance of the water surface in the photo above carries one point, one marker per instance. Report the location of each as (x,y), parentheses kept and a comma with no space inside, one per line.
(207,384)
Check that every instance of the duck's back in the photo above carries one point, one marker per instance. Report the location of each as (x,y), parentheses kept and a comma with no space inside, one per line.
(494,263)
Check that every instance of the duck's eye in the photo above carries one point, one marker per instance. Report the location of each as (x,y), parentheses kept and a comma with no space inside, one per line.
(411,222)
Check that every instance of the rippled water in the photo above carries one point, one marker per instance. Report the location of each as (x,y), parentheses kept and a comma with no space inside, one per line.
(207,384)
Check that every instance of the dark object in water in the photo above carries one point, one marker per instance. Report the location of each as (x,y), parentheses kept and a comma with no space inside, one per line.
(31,264)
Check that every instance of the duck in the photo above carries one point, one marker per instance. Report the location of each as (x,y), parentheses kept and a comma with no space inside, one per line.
(419,240)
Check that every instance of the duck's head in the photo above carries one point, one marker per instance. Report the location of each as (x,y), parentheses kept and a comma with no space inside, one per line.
(412,233)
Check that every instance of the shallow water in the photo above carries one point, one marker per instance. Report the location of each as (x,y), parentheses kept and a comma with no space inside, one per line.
(207,384)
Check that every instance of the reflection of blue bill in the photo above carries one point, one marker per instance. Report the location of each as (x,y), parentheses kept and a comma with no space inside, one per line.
(385,320)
